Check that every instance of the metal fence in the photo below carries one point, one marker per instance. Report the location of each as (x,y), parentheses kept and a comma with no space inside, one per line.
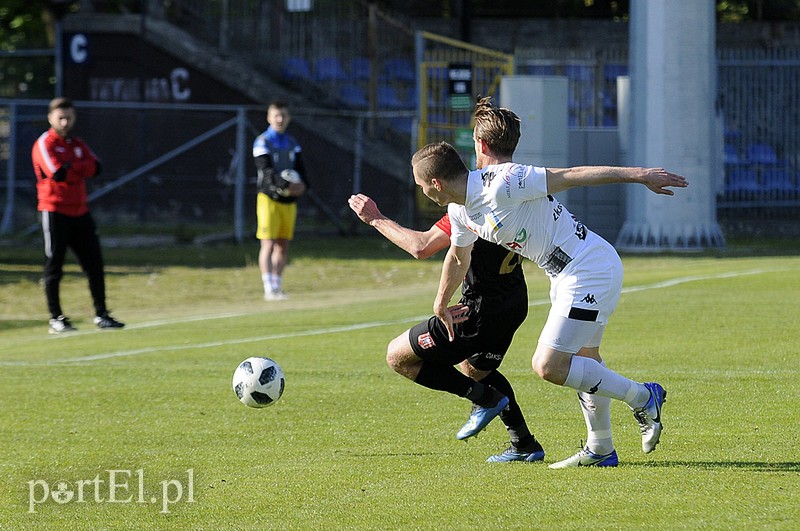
(351,58)
(592,79)
(760,101)
(189,169)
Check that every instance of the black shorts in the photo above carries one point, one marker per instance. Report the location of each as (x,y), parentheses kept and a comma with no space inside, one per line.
(483,339)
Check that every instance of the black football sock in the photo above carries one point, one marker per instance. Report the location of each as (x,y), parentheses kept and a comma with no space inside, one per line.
(444,378)
(511,415)
(483,395)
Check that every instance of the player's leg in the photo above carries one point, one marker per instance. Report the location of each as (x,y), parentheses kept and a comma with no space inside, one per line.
(55,234)
(596,409)
(287,215)
(279,257)
(267,232)
(583,301)
(562,367)
(429,372)
(86,245)
(492,340)
(264,233)
(425,355)
(524,446)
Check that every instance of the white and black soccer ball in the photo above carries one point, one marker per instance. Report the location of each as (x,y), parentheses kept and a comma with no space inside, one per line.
(258,382)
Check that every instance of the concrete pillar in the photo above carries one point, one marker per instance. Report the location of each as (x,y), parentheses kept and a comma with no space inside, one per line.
(673,86)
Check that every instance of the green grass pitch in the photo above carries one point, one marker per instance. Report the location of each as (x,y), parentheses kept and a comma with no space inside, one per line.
(142,424)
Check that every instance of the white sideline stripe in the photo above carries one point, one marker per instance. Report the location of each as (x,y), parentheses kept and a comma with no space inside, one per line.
(336,329)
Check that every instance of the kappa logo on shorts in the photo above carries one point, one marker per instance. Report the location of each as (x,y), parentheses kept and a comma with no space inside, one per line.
(426,341)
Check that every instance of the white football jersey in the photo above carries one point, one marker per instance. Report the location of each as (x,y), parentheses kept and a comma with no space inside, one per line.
(508,204)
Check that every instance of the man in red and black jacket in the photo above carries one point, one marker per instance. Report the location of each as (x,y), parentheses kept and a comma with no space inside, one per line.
(62,164)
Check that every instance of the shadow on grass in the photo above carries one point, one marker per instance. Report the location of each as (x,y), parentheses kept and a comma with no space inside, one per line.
(18,324)
(757,466)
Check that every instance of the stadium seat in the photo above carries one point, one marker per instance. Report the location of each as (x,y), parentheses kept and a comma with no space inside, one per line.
(612,71)
(540,70)
(401,124)
(399,70)
(295,68)
(329,69)
(741,178)
(731,155)
(777,179)
(361,68)
(353,96)
(580,73)
(761,154)
(388,99)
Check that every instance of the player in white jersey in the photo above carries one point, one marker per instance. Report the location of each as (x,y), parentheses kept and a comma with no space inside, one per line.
(513,205)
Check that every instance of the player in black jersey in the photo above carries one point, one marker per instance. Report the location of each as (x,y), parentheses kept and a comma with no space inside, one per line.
(493,305)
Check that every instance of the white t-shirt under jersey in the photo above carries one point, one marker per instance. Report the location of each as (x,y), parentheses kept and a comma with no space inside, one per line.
(508,204)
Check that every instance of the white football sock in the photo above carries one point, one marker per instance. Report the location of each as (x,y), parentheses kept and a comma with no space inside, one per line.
(277,281)
(587,375)
(266,279)
(597,414)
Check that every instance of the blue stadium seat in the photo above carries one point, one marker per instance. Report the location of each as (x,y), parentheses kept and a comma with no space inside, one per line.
(353,96)
(761,154)
(582,73)
(296,68)
(741,178)
(388,98)
(612,71)
(731,155)
(361,68)
(329,69)
(540,70)
(777,179)
(401,125)
(399,70)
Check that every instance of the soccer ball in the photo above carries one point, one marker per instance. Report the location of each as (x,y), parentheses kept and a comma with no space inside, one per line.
(291,176)
(258,382)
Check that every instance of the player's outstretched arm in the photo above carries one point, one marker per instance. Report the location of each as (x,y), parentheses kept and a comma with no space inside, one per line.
(416,243)
(455,266)
(657,180)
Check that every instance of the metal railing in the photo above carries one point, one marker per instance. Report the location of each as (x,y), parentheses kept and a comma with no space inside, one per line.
(187,165)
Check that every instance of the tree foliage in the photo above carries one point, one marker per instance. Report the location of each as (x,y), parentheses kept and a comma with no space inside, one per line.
(24,27)
(727,10)
(28,24)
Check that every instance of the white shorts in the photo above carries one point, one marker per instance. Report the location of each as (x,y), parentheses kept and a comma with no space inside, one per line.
(583,297)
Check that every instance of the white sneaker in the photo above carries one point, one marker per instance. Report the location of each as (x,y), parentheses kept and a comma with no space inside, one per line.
(649,417)
(588,458)
(61,325)
(275,295)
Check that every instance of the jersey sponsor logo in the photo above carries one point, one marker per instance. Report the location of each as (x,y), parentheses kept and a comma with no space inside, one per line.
(493,220)
(557,211)
(517,173)
(589,299)
(426,341)
(78,152)
(520,174)
(476,216)
(519,240)
(580,229)
(487,178)
(492,356)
